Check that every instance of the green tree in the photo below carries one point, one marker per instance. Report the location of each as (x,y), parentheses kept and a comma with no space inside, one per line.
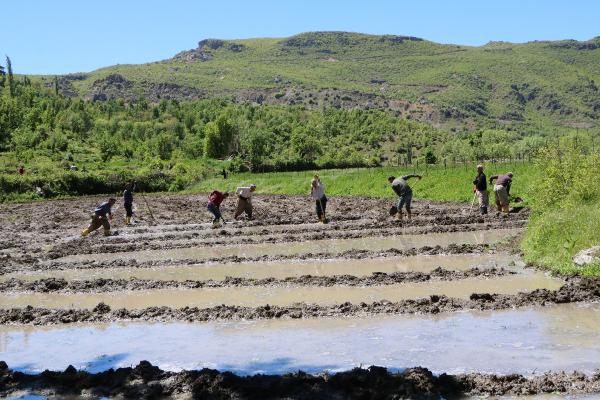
(218,137)
(2,76)
(11,82)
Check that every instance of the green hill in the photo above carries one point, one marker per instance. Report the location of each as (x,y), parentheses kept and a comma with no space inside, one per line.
(532,84)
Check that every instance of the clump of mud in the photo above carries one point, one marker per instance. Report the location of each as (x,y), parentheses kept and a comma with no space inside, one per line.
(55,285)
(146,381)
(576,290)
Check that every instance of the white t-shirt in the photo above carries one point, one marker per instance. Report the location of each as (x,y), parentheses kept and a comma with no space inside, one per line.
(245,192)
(318,191)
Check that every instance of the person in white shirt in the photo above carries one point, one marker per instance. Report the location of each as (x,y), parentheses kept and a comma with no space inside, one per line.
(244,201)
(317,192)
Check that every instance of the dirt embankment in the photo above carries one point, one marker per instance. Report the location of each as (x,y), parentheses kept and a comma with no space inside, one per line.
(375,279)
(146,381)
(10,267)
(577,290)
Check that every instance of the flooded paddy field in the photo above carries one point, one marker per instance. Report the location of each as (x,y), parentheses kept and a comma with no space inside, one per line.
(446,291)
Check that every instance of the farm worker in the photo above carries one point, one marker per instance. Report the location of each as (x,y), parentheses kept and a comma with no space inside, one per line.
(480,188)
(502,190)
(317,192)
(215,198)
(128,202)
(100,217)
(404,192)
(244,204)
(21,170)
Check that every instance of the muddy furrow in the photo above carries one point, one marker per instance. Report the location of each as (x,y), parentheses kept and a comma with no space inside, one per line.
(349,254)
(376,279)
(204,231)
(579,290)
(146,381)
(227,239)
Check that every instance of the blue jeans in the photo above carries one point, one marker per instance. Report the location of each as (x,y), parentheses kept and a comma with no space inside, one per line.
(214,210)
(404,201)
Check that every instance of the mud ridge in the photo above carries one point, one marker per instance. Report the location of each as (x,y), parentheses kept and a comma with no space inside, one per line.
(228,238)
(345,255)
(375,279)
(146,381)
(576,290)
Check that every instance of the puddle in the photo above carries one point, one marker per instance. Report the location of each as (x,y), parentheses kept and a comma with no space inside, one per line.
(315,246)
(282,269)
(256,296)
(565,337)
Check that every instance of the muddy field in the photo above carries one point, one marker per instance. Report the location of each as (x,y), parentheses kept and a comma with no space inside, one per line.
(283,265)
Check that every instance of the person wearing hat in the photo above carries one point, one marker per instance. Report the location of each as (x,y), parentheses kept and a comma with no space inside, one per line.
(317,192)
(502,190)
(480,188)
(403,190)
(244,201)
(100,217)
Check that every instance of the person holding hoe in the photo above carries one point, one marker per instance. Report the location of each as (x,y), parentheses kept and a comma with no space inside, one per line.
(214,206)
(480,190)
(502,191)
(244,204)
(403,190)
(128,202)
(100,217)
(317,192)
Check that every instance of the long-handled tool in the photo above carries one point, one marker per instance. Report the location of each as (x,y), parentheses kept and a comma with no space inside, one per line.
(148,207)
(473,201)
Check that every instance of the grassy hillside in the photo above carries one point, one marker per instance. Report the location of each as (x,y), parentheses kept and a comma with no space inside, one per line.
(529,85)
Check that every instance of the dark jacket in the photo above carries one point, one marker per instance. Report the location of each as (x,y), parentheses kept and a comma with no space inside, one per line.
(480,182)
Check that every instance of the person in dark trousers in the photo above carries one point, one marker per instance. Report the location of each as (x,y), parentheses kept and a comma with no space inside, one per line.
(128,202)
(215,198)
(502,190)
(224,173)
(317,192)
(100,217)
(404,192)
(480,188)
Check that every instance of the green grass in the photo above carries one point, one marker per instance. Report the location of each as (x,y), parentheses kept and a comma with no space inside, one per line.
(565,204)
(553,237)
(438,183)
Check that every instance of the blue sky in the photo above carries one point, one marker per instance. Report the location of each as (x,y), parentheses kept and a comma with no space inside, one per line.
(61,36)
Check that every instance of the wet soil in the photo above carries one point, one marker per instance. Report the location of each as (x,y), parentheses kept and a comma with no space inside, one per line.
(8,267)
(42,230)
(576,290)
(146,381)
(375,279)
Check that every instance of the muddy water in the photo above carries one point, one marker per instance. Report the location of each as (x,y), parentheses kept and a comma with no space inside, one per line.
(315,246)
(284,269)
(256,296)
(564,337)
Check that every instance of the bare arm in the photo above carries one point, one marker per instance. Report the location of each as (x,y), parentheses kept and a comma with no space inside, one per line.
(492,178)
(407,177)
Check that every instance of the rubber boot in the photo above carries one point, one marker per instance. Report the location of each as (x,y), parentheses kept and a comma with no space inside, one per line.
(483,210)
(85,232)
(107,232)
(128,220)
